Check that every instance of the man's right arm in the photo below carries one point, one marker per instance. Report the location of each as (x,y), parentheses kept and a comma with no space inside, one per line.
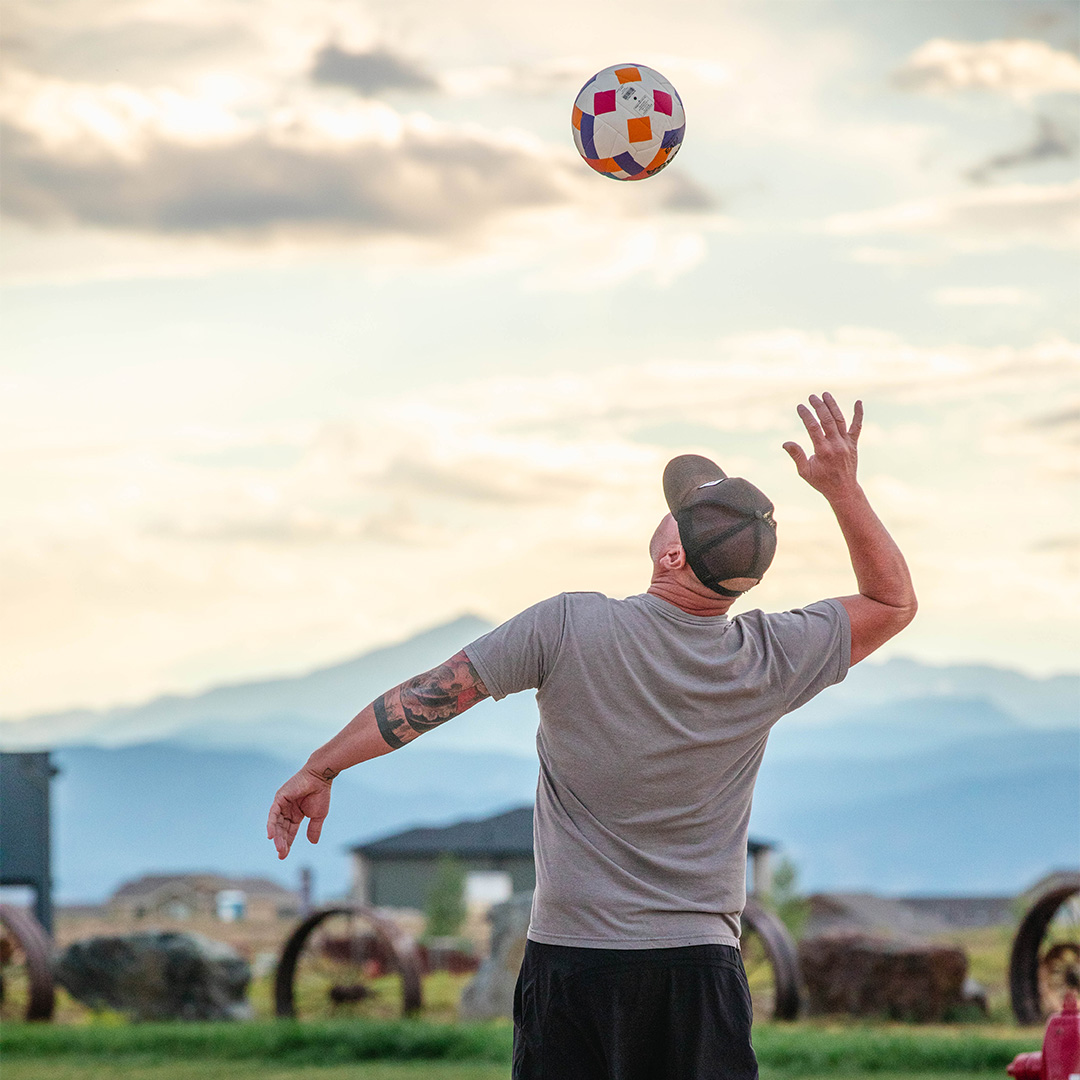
(886,602)
(389,722)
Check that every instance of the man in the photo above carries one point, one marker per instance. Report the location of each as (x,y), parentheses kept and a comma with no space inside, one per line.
(654,714)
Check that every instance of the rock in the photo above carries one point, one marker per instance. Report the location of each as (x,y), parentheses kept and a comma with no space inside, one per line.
(976,997)
(864,975)
(491,993)
(157,976)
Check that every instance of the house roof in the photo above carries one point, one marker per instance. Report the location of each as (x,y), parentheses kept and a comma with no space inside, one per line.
(509,833)
(151,884)
(913,916)
(506,834)
(831,912)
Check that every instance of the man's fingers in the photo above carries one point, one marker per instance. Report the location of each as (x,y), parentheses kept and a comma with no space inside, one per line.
(314,830)
(813,428)
(835,412)
(285,837)
(825,416)
(280,827)
(797,454)
(856,423)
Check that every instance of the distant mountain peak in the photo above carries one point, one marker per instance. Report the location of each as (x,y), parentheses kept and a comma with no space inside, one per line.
(327,695)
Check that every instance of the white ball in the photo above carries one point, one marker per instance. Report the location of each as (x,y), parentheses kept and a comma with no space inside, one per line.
(628,122)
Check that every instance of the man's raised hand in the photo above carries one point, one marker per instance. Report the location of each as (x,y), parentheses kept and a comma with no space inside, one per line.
(304,795)
(832,467)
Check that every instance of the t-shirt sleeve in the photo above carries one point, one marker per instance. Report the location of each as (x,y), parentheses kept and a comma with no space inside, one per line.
(812,648)
(519,654)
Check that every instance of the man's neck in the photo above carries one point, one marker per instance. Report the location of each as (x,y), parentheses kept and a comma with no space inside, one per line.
(689,600)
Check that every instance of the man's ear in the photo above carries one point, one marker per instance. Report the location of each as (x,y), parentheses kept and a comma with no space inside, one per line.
(674,558)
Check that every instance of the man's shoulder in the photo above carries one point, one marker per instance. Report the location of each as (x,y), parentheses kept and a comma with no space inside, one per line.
(823,618)
(575,599)
(818,607)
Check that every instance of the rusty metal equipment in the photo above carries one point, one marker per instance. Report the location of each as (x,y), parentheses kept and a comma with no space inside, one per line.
(1045,960)
(771,960)
(26,982)
(1059,1058)
(343,957)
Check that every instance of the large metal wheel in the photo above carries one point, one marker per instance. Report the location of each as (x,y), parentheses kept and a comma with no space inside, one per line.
(26,982)
(771,960)
(1045,960)
(347,961)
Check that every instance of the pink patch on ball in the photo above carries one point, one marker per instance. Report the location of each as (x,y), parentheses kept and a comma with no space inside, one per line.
(604,102)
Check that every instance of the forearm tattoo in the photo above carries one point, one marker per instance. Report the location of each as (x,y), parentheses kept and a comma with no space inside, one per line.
(428,700)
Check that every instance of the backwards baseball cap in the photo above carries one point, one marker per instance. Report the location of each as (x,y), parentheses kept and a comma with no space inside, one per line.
(725,523)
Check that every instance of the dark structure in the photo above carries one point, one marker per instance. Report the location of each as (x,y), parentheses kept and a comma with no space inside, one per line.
(25,851)
(396,871)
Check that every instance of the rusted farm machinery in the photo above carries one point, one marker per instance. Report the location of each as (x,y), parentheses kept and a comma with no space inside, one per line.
(26,982)
(1045,960)
(346,959)
(771,960)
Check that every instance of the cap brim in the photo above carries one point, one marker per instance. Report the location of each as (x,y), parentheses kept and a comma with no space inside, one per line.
(684,475)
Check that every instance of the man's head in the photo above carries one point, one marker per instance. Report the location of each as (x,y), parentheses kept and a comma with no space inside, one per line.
(724,524)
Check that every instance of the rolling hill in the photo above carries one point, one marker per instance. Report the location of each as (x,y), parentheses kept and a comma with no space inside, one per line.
(906,777)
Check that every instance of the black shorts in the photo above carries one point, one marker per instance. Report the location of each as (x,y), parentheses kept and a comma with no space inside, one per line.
(632,1014)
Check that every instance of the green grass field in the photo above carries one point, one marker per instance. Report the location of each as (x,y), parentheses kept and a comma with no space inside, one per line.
(373,1044)
(409,1050)
(48,1069)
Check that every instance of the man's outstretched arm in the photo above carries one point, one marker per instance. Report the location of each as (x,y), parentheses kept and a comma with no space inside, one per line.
(886,601)
(390,721)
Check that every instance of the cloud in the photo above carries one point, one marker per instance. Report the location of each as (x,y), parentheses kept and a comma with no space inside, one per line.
(991,296)
(1046,214)
(156,162)
(896,257)
(1020,68)
(161,546)
(494,478)
(424,180)
(1052,142)
(369,72)
(132,49)
(1065,420)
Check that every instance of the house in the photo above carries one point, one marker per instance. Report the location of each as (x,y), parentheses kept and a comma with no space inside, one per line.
(497,852)
(905,916)
(186,896)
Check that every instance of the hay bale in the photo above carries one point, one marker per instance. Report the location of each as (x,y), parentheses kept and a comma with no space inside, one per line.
(870,976)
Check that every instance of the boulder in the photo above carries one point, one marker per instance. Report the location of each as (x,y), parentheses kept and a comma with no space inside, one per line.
(865,975)
(490,994)
(157,976)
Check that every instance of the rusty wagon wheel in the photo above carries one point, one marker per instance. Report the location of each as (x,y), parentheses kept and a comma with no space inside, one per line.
(347,961)
(772,964)
(1045,959)
(26,982)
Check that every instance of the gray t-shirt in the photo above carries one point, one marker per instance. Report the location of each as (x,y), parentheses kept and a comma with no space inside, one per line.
(653,723)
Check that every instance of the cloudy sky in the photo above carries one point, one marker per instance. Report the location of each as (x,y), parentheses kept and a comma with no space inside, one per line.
(318,333)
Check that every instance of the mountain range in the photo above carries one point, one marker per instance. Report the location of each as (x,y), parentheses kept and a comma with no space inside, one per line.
(906,778)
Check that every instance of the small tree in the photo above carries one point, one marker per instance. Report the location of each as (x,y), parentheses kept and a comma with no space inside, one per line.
(445,909)
(784,899)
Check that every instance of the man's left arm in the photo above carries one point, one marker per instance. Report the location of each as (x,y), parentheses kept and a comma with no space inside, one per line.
(389,722)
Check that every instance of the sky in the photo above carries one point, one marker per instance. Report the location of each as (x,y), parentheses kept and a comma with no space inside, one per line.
(317,332)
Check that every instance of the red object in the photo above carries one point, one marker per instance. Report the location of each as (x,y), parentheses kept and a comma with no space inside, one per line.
(1059,1058)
